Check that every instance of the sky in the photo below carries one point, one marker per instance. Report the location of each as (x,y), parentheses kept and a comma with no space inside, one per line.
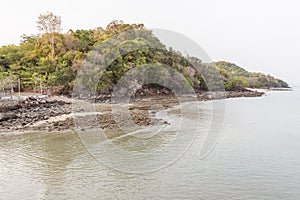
(259,35)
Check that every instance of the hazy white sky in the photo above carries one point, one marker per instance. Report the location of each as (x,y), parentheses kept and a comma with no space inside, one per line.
(259,35)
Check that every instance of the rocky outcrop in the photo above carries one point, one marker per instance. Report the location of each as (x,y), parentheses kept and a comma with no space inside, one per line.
(17,115)
(27,115)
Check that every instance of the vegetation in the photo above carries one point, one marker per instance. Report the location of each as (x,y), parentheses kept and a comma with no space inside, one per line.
(236,77)
(51,60)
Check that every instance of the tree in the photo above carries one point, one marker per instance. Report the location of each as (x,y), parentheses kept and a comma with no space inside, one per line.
(50,24)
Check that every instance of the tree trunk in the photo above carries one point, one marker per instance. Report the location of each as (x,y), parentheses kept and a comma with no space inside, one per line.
(52,47)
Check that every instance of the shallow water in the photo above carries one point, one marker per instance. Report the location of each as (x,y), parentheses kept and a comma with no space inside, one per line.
(256,157)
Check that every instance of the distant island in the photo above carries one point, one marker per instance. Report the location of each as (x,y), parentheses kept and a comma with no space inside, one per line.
(48,63)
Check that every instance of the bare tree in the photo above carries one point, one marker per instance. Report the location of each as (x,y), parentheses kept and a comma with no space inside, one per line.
(50,24)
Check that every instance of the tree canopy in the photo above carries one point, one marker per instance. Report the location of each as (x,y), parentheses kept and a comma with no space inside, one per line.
(52,59)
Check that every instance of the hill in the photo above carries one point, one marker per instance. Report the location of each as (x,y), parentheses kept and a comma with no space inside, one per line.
(235,76)
(49,62)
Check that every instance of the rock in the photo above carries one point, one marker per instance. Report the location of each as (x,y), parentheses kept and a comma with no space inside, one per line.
(1,116)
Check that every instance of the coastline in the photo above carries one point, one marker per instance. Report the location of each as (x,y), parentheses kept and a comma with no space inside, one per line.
(264,90)
(55,113)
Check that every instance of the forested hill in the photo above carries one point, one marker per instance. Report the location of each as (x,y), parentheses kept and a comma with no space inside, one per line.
(50,60)
(235,76)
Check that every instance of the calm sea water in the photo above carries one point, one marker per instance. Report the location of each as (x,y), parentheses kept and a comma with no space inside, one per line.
(257,157)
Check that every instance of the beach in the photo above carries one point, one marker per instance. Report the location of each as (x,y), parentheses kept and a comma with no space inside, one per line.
(56,113)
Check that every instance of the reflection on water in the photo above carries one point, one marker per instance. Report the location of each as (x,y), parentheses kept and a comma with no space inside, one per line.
(257,157)
(34,164)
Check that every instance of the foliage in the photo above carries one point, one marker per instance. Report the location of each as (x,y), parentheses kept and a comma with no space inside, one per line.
(236,77)
(52,59)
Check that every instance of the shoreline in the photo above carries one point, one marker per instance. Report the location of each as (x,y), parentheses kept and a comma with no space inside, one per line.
(264,90)
(55,113)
